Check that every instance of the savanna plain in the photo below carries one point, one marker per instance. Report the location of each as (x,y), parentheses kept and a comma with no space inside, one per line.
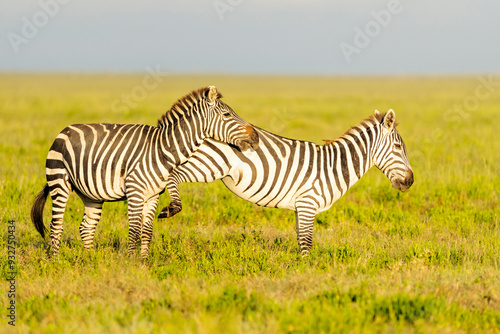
(426,260)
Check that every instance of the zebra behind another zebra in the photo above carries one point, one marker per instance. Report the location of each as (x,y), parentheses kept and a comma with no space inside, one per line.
(113,162)
(298,175)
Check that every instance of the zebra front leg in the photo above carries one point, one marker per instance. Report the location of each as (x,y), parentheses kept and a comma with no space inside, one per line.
(175,205)
(305,213)
(147,225)
(90,220)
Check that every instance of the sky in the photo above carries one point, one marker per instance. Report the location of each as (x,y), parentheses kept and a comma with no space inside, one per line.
(304,37)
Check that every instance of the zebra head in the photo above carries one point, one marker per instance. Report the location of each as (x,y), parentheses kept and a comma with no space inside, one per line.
(224,125)
(389,154)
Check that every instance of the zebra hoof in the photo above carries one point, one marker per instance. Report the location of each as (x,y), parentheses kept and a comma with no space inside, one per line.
(164,213)
(169,211)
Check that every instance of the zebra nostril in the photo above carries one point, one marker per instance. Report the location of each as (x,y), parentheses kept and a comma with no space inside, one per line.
(409,178)
(253,137)
(243,145)
(255,140)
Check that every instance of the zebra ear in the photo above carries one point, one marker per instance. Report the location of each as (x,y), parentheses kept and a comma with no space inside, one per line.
(389,120)
(377,113)
(211,94)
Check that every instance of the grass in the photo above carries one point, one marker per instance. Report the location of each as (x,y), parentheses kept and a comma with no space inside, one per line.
(382,261)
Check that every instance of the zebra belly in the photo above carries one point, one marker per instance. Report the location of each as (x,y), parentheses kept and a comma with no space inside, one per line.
(258,190)
(276,199)
(102,189)
(270,177)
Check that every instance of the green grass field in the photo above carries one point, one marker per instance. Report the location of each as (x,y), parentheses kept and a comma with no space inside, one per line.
(427,260)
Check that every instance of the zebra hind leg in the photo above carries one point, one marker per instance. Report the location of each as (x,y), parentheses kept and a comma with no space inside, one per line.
(59,189)
(305,214)
(90,220)
(147,225)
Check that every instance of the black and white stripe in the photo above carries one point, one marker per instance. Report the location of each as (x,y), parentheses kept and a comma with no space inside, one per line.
(113,162)
(298,175)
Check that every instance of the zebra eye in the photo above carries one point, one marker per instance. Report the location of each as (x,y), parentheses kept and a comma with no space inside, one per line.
(226,114)
(398,146)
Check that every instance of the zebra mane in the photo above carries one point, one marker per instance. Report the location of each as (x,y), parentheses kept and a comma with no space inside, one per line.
(185,104)
(364,124)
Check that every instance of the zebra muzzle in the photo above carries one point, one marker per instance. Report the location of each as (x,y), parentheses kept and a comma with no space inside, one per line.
(252,139)
(404,184)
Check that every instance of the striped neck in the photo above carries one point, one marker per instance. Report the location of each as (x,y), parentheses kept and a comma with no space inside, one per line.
(180,137)
(350,156)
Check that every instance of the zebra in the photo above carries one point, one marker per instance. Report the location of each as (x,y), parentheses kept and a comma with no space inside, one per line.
(113,162)
(298,175)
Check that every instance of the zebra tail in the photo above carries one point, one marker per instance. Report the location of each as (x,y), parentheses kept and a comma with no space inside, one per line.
(37,210)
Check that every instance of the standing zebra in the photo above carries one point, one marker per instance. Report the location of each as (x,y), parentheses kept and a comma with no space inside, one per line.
(113,162)
(298,175)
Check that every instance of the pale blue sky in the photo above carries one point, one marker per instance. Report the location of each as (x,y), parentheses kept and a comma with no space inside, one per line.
(252,36)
